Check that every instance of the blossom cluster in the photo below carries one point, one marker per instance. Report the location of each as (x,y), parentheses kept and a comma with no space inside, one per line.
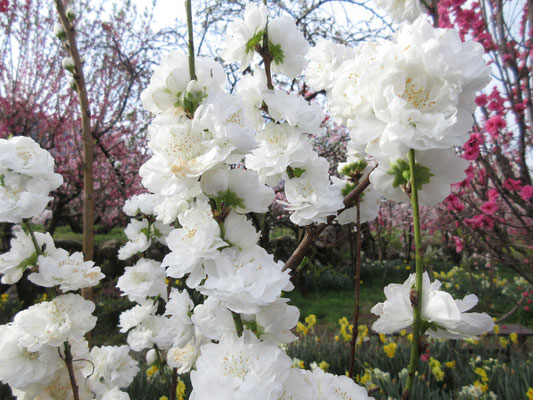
(215,159)
(35,346)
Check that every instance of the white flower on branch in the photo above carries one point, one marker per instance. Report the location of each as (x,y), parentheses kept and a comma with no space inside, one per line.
(51,323)
(239,369)
(246,280)
(145,279)
(198,239)
(70,272)
(23,255)
(442,316)
(436,170)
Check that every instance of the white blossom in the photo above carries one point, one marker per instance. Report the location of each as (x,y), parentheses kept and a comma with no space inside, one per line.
(281,146)
(21,368)
(324,59)
(141,203)
(288,46)
(310,196)
(171,79)
(401,10)
(446,316)
(277,320)
(245,280)
(252,195)
(138,239)
(22,251)
(197,239)
(112,366)
(242,35)
(444,165)
(179,308)
(239,231)
(51,323)
(183,358)
(239,369)
(115,394)
(213,319)
(145,279)
(183,151)
(69,272)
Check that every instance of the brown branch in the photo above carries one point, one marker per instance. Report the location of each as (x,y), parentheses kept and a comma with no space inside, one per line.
(88,156)
(313,232)
(174,384)
(355,329)
(70,367)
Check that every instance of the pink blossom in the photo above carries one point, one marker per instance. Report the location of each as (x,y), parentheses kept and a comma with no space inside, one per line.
(512,184)
(493,194)
(481,100)
(494,125)
(459,245)
(489,207)
(526,192)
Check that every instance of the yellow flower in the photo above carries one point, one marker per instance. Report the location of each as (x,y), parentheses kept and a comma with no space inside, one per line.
(323,366)
(337,338)
(529,394)
(504,342)
(483,386)
(310,320)
(180,390)
(496,329)
(163,398)
(152,370)
(301,328)
(450,364)
(390,349)
(403,332)
(482,374)
(410,337)
(382,338)
(437,372)
(514,337)
(408,267)
(4,297)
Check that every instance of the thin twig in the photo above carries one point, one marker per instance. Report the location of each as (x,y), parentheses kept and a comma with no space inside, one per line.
(313,232)
(355,329)
(70,367)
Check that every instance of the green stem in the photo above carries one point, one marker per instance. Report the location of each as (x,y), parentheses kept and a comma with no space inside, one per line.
(27,228)
(238,323)
(416,294)
(192,68)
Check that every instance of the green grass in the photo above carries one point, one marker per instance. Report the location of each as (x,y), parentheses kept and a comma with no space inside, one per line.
(330,306)
(64,232)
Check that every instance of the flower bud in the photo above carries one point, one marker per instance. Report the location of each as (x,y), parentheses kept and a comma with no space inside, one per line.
(72,83)
(59,31)
(71,14)
(151,356)
(68,64)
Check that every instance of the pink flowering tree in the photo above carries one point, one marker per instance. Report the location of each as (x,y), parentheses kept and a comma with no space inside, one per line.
(492,209)
(36,99)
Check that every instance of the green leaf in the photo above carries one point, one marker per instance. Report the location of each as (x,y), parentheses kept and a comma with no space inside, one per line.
(402,175)
(228,199)
(254,41)
(29,262)
(277,52)
(294,172)
(347,189)
(3,181)
(351,168)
